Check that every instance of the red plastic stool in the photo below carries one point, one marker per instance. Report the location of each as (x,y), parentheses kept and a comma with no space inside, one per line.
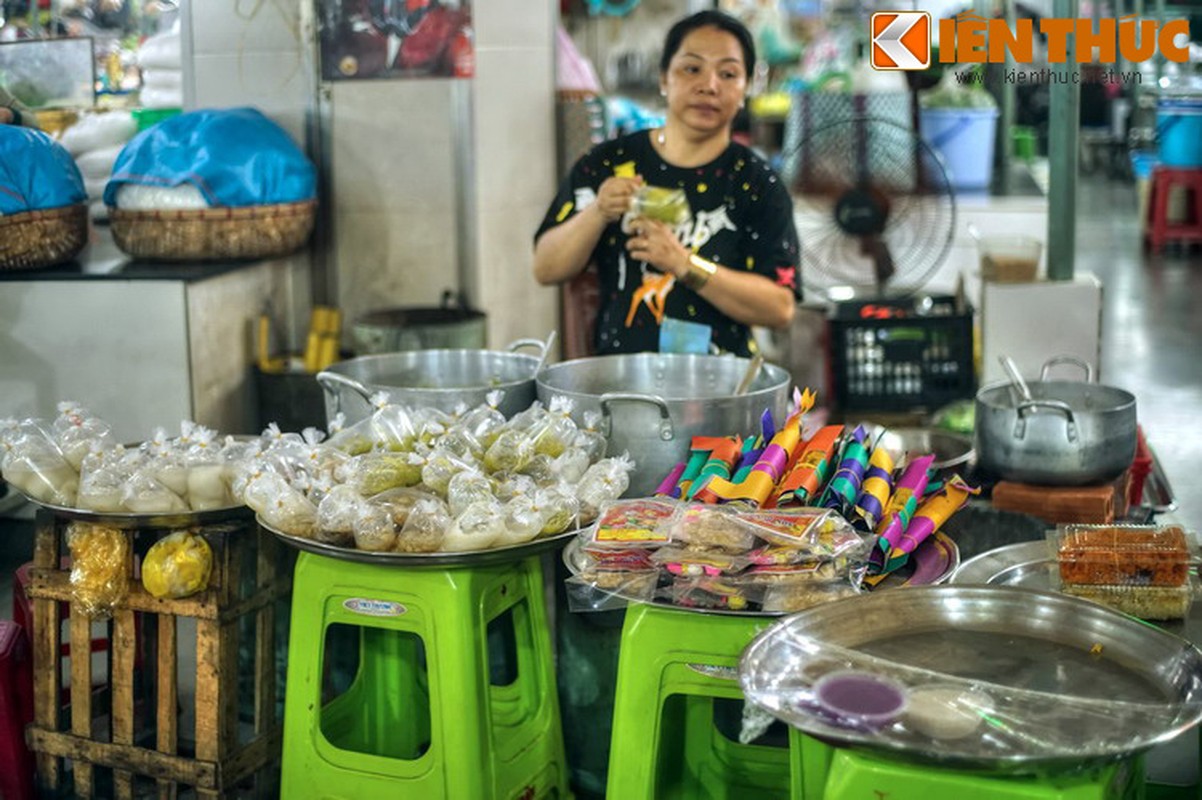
(16,711)
(1160,230)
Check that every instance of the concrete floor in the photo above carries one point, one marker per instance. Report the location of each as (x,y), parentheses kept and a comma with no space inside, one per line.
(1150,329)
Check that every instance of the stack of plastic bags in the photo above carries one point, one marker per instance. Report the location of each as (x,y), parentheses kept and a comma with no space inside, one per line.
(74,462)
(95,142)
(162,76)
(421,480)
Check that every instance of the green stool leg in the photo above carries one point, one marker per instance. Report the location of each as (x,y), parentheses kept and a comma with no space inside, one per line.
(671,667)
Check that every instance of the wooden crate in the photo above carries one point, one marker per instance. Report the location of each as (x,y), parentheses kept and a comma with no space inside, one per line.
(130,729)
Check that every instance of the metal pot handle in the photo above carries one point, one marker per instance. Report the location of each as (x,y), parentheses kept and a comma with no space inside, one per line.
(1054,360)
(665,416)
(543,348)
(332,383)
(1024,409)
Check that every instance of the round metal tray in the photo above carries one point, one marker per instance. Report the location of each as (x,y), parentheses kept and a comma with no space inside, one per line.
(934,562)
(471,558)
(1031,565)
(1072,683)
(131,521)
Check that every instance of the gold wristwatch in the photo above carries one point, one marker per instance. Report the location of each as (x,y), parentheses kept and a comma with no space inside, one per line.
(700,271)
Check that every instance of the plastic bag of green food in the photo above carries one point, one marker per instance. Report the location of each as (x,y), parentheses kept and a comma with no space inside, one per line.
(178,566)
(660,203)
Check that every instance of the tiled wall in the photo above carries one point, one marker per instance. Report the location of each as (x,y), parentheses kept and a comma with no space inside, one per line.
(515,161)
(394,233)
(238,54)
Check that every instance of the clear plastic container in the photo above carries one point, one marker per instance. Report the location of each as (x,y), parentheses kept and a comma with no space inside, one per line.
(1122,555)
(1009,259)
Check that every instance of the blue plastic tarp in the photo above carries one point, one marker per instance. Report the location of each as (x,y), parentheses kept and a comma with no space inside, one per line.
(235,157)
(36,172)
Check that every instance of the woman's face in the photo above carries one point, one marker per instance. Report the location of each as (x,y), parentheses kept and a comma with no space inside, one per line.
(706,80)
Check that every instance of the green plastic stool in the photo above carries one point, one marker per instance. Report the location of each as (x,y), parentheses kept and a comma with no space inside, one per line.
(428,713)
(672,665)
(822,772)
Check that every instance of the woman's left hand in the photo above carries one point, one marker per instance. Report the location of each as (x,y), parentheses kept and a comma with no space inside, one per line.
(654,242)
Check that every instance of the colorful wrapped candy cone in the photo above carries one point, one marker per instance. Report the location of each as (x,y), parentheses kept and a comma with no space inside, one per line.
(722,459)
(761,480)
(931,514)
(876,488)
(810,471)
(902,505)
(845,484)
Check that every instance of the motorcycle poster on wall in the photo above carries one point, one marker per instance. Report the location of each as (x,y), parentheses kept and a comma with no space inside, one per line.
(371,39)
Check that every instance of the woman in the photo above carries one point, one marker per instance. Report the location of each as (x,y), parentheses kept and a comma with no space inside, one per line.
(733,265)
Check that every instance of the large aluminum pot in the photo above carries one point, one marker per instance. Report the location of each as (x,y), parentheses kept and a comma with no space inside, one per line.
(437,378)
(653,404)
(1070,433)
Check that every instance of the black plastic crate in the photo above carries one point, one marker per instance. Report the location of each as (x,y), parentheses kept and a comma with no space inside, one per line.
(912,354)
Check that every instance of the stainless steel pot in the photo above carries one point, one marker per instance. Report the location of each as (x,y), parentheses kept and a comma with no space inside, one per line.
(438,378)
(653,404)
(1070,433)
(450,326)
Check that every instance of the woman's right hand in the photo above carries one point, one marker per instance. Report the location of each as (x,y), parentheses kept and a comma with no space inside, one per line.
(614,196)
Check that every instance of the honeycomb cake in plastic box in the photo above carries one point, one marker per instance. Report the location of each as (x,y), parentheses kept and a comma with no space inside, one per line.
(1122,555)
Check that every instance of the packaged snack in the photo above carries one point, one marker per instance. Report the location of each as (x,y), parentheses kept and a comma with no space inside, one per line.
(1145,602)
(523,520)
(634,523)
(466,487)
(480,526)
(372,473)
(1124,555)
(668,205)
(560,509)
(336,515)
(604,590)
(713,528)
(808,572)
(695,562)
(604,481)
(178,565)
(100,568)
(791,597)
(716,593)
(817,532)
(373,529)
(510,451)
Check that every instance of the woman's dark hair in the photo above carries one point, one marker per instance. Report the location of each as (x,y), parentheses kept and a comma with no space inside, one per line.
(709,19)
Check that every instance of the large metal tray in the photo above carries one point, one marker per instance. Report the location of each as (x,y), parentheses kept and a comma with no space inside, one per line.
(934,562)
(472,558)
(131,521)
(1031,565)
(1078,683)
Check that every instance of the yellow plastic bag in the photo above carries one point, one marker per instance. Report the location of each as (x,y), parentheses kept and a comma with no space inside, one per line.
(100,567)
(178,566)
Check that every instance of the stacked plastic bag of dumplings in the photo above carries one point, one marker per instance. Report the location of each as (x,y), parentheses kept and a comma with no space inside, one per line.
(73,461)
(421,480)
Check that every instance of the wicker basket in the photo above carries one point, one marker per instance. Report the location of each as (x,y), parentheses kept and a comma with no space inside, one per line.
(34,239)
(266,231)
